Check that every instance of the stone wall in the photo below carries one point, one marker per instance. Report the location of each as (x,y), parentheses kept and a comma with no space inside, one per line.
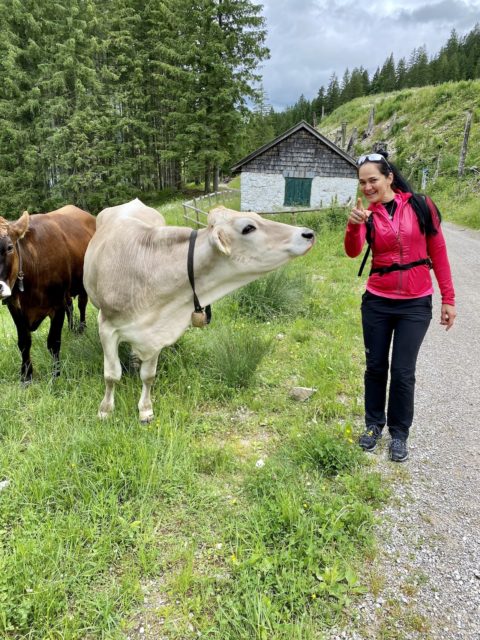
(266,192)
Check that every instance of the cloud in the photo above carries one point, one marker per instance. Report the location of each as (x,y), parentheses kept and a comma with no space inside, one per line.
(311,39)
(445,12)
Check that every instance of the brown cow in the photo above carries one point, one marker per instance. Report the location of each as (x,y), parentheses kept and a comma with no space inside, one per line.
(41,270)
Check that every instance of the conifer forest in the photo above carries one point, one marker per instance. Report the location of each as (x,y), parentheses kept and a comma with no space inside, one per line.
(105,100)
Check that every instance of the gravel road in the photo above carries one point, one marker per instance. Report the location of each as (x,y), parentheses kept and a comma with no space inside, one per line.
(427,573)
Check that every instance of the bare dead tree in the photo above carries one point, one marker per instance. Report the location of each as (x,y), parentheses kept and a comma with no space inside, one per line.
(463,152)
(371,121)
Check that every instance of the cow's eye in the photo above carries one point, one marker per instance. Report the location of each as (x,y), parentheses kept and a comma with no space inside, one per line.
(248,229)
(10,248)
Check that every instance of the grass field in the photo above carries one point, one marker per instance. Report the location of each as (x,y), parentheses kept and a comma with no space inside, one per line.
(238,513)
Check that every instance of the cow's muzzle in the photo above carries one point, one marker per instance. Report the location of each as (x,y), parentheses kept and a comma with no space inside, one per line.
(5,291)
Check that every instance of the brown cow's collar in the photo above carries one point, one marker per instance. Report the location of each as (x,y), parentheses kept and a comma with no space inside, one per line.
(20,274)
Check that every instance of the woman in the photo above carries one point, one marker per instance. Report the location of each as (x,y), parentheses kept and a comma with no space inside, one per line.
(403,231)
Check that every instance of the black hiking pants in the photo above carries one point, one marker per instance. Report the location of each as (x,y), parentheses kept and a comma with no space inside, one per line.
(401,325)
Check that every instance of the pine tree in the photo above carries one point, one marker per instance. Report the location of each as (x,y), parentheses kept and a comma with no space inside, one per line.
(345,89)
(375,85)
(333,93)
(401,74)
(319,103)
(357,83)
(387,80)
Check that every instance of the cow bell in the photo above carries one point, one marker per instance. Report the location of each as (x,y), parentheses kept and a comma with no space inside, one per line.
(199,319)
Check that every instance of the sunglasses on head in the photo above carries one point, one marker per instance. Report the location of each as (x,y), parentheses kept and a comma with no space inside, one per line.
(372,157)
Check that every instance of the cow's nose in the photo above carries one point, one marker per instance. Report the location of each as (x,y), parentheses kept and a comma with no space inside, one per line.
(308,235)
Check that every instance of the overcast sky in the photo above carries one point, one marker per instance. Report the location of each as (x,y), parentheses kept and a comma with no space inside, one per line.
(310,39)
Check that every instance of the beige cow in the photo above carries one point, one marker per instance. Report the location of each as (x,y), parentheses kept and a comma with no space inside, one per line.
(135,273)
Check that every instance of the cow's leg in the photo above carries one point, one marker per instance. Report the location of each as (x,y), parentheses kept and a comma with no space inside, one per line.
(148,370)
(24,341)
(69,312)
(112,369)
(82,307)
(55,338)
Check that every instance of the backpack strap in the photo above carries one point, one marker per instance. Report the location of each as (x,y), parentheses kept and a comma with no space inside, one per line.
(370,230)
(365,257)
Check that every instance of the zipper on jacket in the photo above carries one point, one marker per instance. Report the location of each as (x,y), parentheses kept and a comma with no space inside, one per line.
(400,273)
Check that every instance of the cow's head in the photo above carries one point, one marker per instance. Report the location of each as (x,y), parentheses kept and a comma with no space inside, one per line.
(10,232)
(254,244)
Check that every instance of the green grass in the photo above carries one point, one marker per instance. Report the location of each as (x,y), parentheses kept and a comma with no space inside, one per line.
(280,294)
(243,513)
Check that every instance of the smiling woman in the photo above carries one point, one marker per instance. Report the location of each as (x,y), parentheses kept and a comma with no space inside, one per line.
(403,230)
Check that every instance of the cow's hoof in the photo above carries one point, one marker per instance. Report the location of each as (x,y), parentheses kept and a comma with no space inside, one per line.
(26,382)
(81,328)
(146,417)
(103,415)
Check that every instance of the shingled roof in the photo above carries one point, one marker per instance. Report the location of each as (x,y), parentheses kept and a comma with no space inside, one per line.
(301,125)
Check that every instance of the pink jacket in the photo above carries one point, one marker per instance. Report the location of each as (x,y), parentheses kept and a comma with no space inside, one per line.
(400,240)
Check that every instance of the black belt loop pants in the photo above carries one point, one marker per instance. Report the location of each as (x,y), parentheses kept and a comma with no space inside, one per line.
(401,324)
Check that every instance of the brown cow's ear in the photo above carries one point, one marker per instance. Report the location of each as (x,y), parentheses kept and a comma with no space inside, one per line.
(17,229)
(221,240)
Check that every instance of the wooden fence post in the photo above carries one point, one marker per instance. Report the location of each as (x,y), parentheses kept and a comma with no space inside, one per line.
(437,167)
(353,140)
(344,134)
(463,152)
(371,121)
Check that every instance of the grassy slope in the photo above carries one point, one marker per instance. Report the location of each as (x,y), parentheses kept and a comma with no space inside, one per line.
(106,527)
(420,125)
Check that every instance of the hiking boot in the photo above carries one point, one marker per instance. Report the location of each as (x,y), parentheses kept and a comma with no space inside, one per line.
(398,451)
(372,434)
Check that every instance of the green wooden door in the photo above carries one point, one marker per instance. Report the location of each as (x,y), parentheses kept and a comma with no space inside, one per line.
(297,192)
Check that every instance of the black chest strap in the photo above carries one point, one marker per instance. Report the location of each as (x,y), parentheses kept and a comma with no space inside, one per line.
(401,267)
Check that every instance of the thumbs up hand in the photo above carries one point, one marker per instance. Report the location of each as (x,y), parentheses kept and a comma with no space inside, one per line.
(358,214)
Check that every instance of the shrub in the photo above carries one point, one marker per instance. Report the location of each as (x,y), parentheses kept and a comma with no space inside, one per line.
(233,355)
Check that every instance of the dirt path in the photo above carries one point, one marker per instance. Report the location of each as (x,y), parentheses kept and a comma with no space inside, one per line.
(427,575)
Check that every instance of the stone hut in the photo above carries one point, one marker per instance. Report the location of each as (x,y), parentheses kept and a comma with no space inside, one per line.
(301,169)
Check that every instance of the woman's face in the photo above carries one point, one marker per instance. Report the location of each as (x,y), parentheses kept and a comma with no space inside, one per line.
(373,184)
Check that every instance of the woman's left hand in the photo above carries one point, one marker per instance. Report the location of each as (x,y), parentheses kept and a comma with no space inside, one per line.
(448,315)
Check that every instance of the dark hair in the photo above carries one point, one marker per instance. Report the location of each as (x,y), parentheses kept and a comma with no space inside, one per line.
(419,201)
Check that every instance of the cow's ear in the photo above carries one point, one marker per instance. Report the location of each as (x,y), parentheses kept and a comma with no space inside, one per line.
(221,240)
(17,229)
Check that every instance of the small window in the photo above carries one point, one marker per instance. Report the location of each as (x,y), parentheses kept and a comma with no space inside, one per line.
(297,192)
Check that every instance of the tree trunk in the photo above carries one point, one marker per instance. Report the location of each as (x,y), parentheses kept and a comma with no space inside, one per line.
(207,178)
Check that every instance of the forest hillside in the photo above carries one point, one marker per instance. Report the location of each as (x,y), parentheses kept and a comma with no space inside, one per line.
(423,131)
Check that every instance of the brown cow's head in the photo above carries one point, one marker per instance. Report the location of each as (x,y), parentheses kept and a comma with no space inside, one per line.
(10,232)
